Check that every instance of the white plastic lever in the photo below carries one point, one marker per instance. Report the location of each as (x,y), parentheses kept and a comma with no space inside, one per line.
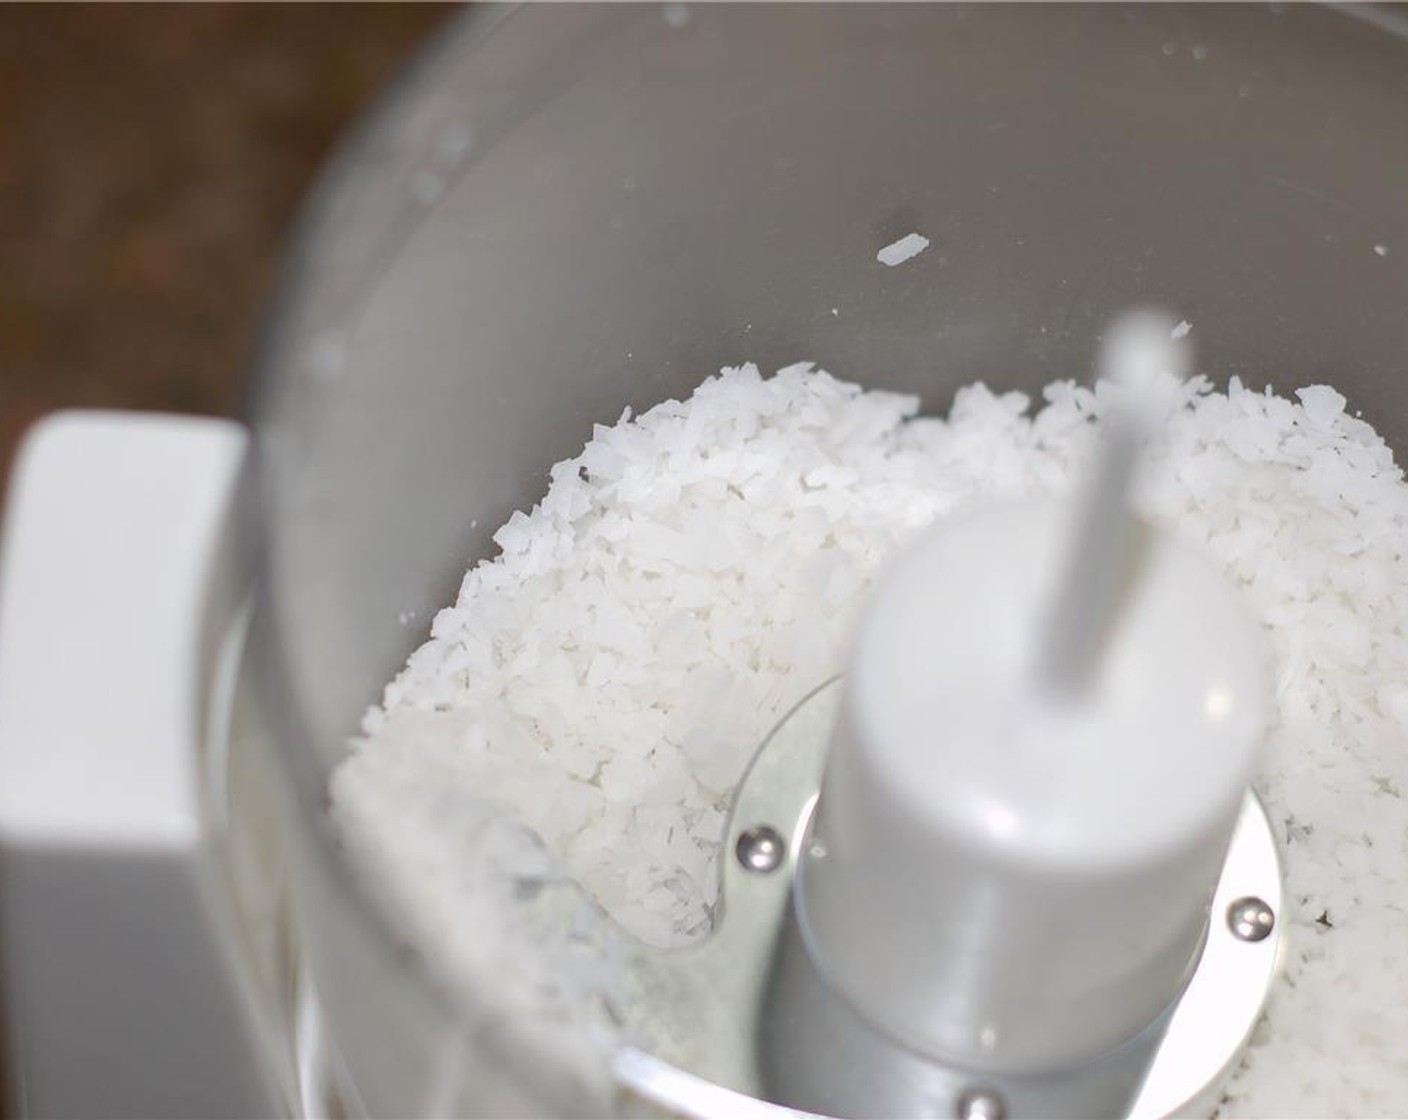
(1142,358)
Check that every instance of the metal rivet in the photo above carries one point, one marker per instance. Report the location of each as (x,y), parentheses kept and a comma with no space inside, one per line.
(760,848)
(1250,919)
(981,1104)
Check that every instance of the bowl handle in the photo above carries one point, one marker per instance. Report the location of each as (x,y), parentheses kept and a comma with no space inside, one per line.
(122,996)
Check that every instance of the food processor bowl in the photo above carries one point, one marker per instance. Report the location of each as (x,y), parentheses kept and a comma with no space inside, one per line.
(562,211)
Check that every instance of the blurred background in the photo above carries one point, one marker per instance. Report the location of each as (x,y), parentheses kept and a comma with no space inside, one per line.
(152,159)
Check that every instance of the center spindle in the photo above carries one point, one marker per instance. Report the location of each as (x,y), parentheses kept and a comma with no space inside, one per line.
(1044,740)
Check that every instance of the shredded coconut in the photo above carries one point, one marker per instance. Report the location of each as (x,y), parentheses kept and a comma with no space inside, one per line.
(897,252)
(695,571)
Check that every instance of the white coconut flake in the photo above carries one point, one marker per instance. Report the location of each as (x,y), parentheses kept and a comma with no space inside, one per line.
(583,712)
(1322,404)
(906,248)
(1381,250)
(1182,330)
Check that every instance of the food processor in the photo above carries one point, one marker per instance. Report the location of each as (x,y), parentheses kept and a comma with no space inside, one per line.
(557,212)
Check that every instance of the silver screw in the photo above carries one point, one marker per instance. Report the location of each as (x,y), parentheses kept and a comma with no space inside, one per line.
(761,848)
(981,1104)
(1250,919)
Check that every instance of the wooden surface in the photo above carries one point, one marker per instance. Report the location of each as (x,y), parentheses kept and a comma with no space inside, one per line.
(151,158)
